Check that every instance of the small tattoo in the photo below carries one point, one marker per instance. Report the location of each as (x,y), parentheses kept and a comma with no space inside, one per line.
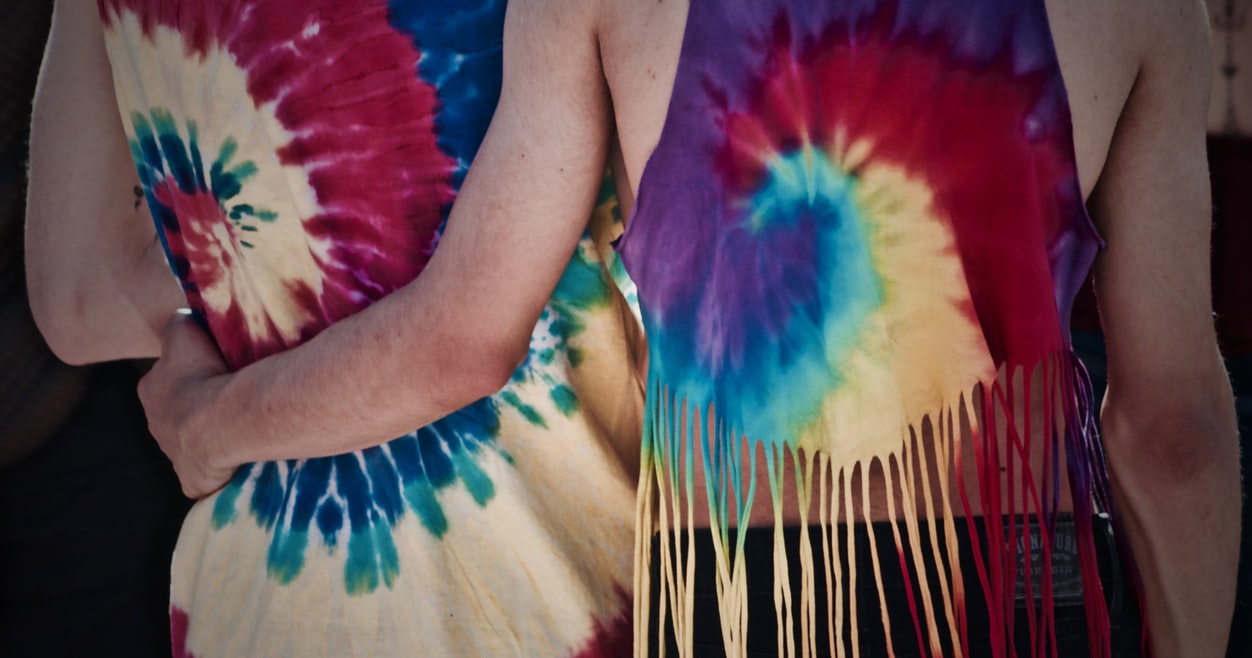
(138,196)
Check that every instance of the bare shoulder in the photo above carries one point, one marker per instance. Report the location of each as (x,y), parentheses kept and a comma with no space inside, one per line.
(1152,200)
(1178,44)
(640,43)
(1109,47)
(549,25)
(551,74)
(1099,60)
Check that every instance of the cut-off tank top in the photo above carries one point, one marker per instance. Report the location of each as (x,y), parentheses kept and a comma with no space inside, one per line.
(861,231)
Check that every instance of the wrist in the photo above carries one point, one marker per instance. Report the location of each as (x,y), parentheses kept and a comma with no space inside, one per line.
(211,429)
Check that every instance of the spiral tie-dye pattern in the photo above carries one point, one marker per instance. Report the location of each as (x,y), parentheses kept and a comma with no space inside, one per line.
(851,255)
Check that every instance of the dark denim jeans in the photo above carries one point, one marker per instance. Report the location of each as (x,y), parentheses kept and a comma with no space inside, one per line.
(1069,613)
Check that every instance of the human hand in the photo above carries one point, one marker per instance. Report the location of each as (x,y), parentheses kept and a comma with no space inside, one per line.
(178,394)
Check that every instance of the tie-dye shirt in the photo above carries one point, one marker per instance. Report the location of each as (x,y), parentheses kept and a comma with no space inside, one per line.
(862,229)
(299,159)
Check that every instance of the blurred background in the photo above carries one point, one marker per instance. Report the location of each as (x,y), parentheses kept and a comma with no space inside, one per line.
(90,509)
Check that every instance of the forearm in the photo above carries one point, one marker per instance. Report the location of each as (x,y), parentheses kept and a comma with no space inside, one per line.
(454,335)
(365,380)
(1175,475)
(99,286)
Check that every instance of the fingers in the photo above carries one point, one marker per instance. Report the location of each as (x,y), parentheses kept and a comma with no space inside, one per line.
(196,489)
(174,394)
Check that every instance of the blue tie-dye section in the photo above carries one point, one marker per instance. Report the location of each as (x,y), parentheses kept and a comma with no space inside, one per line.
(803,290)
(461,44)
(367,492)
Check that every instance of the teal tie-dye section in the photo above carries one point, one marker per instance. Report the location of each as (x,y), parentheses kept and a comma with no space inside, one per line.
(805,285)
(368,491)
(582,288)
(622,280)
(585,287)
(607,201)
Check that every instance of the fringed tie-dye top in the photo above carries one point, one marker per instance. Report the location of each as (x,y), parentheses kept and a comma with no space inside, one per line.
(855,246)
(299,158)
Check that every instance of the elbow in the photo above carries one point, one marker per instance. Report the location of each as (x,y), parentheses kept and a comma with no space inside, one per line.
(56,301)
(59,317)
(85,307)
(66,343)
(475,367)
(496,365)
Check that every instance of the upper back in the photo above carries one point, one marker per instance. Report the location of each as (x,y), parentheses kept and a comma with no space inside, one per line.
(1099,49)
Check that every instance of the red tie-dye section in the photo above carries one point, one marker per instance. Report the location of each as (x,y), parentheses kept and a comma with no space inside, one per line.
(957,127)
(208,240)
(363,131)
(179,621)
(612,638)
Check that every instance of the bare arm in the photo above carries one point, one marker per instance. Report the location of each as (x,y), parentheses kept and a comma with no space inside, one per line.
(1168,417)
(99,285)
(456,333)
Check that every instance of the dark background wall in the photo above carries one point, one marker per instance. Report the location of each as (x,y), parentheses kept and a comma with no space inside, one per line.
(89,507)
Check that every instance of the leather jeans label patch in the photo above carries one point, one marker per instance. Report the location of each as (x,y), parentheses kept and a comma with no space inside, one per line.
(1065,570)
